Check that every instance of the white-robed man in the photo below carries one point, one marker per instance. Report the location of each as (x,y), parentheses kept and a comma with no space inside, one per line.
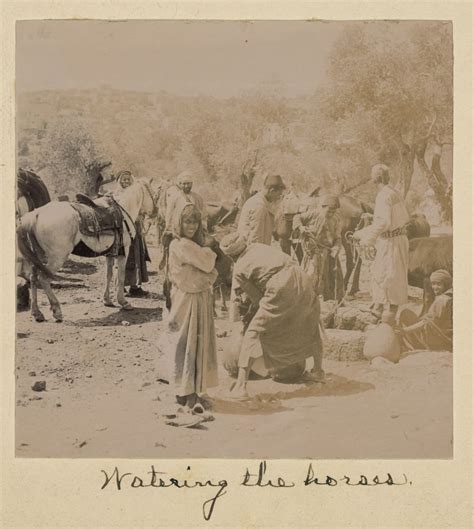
(387,233)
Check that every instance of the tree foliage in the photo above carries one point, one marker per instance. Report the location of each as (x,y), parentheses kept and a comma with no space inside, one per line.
(71,156)
(389,98)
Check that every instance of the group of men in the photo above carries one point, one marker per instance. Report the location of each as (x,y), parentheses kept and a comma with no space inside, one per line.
(319,231)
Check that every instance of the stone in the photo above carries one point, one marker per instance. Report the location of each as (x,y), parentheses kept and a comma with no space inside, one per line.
(353,319)
(344,345)
(39,385)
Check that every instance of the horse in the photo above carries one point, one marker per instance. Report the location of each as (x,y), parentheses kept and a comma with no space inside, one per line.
(47,235)
(351,213)
(31,193)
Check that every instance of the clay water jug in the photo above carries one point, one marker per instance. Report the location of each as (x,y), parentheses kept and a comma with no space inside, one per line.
(382,341)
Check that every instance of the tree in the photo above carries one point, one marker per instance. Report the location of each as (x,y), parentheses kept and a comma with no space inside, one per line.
(70,154)
(390,96)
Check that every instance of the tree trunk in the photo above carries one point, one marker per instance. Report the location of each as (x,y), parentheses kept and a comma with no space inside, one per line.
(436,179)
(406,164)
(94,178)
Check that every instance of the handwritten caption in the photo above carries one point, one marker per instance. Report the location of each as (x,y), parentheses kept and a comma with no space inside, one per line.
(119,481)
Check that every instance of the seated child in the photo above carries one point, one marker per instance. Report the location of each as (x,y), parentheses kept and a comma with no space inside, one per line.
(434,330)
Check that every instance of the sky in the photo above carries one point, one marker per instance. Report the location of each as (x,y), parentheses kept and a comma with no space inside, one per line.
(217,58)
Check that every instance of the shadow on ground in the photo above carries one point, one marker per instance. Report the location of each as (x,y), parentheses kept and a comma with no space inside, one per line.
(267,402)
(136,316)
(79,267)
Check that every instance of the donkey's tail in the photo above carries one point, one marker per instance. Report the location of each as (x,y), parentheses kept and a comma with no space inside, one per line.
(30,250)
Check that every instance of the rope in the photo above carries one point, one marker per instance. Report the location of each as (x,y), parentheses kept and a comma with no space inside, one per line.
(333,311)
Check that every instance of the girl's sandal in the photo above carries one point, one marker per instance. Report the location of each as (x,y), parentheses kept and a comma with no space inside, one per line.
(185,418)
(199,411)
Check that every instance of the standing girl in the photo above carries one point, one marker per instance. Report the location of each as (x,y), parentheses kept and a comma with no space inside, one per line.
(191,319)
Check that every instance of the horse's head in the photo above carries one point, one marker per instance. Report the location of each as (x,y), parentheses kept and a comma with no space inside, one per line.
(148,206)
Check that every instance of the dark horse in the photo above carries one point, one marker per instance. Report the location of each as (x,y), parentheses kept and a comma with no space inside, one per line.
(351,212)
(32,193)
(32,190)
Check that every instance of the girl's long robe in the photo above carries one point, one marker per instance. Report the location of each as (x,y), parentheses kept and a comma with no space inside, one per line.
(191,319)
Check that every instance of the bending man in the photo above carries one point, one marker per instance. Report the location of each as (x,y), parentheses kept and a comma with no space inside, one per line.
(285,327)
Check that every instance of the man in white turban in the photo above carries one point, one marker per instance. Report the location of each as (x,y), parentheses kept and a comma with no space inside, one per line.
(388,234)
(183,190)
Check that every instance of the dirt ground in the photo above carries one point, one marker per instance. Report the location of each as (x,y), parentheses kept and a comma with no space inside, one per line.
(107,390)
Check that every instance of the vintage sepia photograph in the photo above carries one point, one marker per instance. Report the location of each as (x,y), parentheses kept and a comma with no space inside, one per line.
(234,239)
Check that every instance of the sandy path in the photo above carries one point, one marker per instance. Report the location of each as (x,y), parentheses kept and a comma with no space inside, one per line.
(103,399)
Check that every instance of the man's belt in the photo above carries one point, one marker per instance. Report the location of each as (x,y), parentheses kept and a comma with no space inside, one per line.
(394,233)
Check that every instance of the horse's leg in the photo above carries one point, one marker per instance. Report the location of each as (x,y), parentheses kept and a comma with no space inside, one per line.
(109,261)
(53,300)
(35,311)
(158,233)
(121,263)
(222,293)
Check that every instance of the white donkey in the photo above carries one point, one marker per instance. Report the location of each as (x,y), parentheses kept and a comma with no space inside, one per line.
(47,235)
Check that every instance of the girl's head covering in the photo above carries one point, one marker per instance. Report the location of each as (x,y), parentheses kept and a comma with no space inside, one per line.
(442,276)
(233,244)
(184,209)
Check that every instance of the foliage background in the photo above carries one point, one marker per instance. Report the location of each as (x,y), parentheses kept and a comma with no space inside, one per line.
(388,98)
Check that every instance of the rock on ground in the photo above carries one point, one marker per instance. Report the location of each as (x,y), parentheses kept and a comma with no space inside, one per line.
(353,318)
(344,345)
